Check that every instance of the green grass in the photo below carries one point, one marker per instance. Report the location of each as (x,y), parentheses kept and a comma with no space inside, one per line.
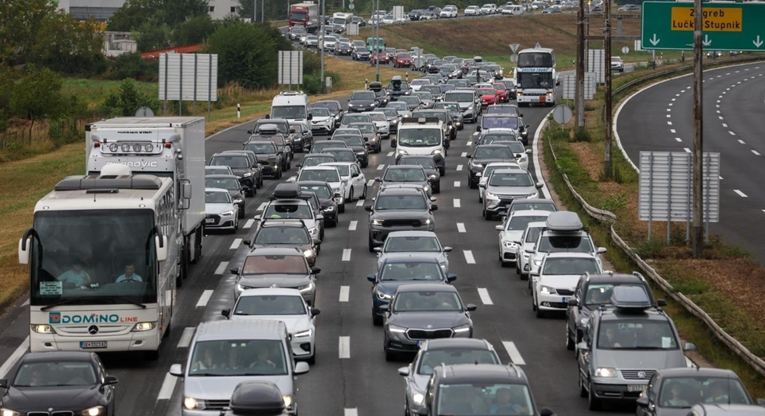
(95,91)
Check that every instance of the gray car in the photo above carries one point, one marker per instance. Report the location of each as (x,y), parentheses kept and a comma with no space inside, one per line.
(232,185)
(285,234)
(270,156)
(428,163)
(277,267)
(504,186)
(362,101)
(399,209)
(421,312)
(426,98)
(410,175)
(454,110)
(404,243)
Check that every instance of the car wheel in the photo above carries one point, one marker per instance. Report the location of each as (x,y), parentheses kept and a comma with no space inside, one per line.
(540,313)
(312,360)
(390,356)
(533,302)
(582,390)
(592,401)
(236,225)
(480,199)
(289,165)
(472,184)
(364,194)
(341,209)
(151,355)
(350,196)
(569,342)
(365,164)
(486,215)
(371,245)
(377,320)
(437,189)
(241,213)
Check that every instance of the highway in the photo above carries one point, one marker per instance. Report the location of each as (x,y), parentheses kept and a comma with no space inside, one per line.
(351,376)
(660,118)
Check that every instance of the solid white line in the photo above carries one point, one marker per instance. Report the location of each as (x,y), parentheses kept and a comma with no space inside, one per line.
(345,347)
(11,361)
(469,256)
(204,298)
(484,295)
(360,203)
(679,140)
(262,206)
(390,154)
(461,227)
(457,203)
(236,243)
(352,225)
(351,412)
(166,391)
(346,254)
(756,153)
(185,340)
(741,141)
(221,267)
(249,224)
(459,168)
(381,167)
(456,184)
(345,293)
(512,351)
(741,194)
(464,154)
(535,154)
(370,182)
(687,150)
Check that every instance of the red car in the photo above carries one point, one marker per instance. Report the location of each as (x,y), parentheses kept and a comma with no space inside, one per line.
(504,93)
(401,60)
(489,96)
(384,59)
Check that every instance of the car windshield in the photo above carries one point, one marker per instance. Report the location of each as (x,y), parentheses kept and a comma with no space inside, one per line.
(321,175)
(411,245)
(570,266)
(282,235)
(222,183)
(510,179)
(368,128)
(454,356)
(322,191)
(342,155)
(532,235)
(288,211)
(636,334)
(685,392)
(425,162)
(519,223)
(499,138)
(55,374)
(319,147)
(431,89)
(269,305)
(398,106)
(499,123)
(232,358)
(344,170)
(275,264)
(320,112)
(431,114)
(213,197)
(449,106)
(410,100)
(424,95)
(317,160)
(356,118)
(390,112)
(404,175)
(537,206)
(261,148)
(400,202)
(489,169)
(289,112)
(482,399)
(600,293)
(378,117)
(327,104)
(493,153)
(351,140)
(419,137)
(232,161)
(363,96)
(502,109)
(410,271)
(565,243)
(427,301)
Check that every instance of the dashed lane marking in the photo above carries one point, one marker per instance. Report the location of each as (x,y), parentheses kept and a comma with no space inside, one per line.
(381,166)
(669,123)
(756,153)
(370,182)
(351,412)
(221,267)
(345,293)
(236,243)
(461,227)
(741,194)
(352,225)
(344,347)
(512,351)
(673,131)
(168,385)
(741,141)
(484,295)
(456,184)
(679,140)
(360,203)
(291,179)
(390,154)
(457,203)
(469,256)
(249,224)
(464,154)
(204,298)
(185,340)
(731,133)
(459,168)
(346,254)
(470,143)
(687,150)
(262,206)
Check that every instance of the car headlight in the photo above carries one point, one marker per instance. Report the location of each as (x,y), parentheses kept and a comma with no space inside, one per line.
(436,152)
(548,290)
(377,222)
(241,288)
(190,403)
(510,244)
(418,398)
(144,326)
(426,221)
(462,329)
(303,334)
(93,411)
(396,329)
(313,231)
(394,121)
(476,165)
(360,153)
(42,329)
(443,265)
(605,372)
(350,104)
(328,209)
(383,296)
(227,213)
(534,195)
(287,400)
(537,263)
(9,412)
(308,253)
(247,174)
(490,195)
(526,255)
(306,288)
(433,176)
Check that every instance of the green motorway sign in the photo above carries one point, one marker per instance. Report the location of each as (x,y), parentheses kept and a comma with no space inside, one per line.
(727,26)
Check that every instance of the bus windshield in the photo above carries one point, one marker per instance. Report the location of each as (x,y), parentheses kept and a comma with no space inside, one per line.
(535,60)
(535,79)
(94,257)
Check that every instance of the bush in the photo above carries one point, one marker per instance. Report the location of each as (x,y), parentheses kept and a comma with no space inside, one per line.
(581,134)
(127,101)
(132,65)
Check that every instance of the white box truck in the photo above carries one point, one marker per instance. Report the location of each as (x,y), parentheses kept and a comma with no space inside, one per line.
(172,147)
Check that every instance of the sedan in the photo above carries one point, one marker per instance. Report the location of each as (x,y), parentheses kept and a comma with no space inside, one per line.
(505,185)
(220,210)
(362,101)
(420,312)
(428,163)
(360,54)
(66,383)
(403,243)
(381,56)
(286,305)
(276,267)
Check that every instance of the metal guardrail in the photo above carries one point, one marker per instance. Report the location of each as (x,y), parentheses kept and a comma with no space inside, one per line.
(757,363)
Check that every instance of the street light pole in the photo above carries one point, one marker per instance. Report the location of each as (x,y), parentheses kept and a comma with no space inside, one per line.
(698,138)
(321,33)
(377,41)
(609,119)
(580,35)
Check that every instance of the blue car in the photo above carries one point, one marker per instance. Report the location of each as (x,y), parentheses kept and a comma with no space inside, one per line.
(404,270)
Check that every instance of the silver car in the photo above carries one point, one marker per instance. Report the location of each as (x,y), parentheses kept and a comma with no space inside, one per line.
(276,267)
(505,185)
(220,212)
(402,243)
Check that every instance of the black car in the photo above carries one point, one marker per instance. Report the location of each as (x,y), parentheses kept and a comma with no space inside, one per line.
(319,146)
(524,130)
(397,87)
(59,383)
(327,199)
(232,185)
(428,164)
(355,143)
(270,157)
(360,54)
(368,132)
(283,139)
(254,162)
(484,154)
(415,14)
(343,48)
(334,107)
(302,137)
(241,165)
(315,159)
(594,291)
(399,209)
(362,101)
(285,233)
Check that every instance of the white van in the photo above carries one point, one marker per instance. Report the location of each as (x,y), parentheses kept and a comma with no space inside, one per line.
(513,10)
(421,136)
(290,105)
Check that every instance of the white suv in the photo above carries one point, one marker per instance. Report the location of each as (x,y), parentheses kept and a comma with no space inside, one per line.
(448,11)
(511,231)
(557,280)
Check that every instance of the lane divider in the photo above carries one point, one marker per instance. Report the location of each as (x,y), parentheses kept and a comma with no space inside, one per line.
(345,293)
(461,227)
(204,298)
(457,203)
(346,254)
(469,256)
(484,295)
(512,351)
(344,347)
(168,386)
(185,340)
(235,244)
(221,267)
(352,225)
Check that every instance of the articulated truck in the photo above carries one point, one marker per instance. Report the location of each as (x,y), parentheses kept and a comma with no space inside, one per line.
(305,14)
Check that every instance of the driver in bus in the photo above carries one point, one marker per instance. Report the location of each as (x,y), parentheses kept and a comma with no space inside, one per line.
(129,275)
(76,275)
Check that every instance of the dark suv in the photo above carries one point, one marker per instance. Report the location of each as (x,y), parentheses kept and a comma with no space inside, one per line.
(241,165)
(399,209)
(485,154)
(269,156)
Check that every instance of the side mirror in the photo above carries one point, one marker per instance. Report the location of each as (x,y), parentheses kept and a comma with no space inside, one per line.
(234,270)
(499,228)
(267,116)
(250,131)
(393,143)
(315,270)
(689,346)
(546,412)
(539,185)
(451,277)
(110,380)
(642,401)
(161,247)
(403,371)
(368,208)
(24,252)
(372,278)
(447,249)
(4,382)
(582,346)
(301,367)
(315,311)
(482,184)
(384,308)
(247,242)
(176,370)
(186,190)
(470,307)
(479,174)
(573,302)
(433,199)
(378,180)
(661,302)
(337,195)
(528,126)
(528,151)
(377,249)
(257,217)
(310,116)
(355,175)
(319,217)
(433,207)
(226,312)
(601,250)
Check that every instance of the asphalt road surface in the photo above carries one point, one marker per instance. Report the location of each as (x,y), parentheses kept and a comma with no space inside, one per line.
(660,118)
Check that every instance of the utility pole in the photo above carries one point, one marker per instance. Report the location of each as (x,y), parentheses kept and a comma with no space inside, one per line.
(321,33)
(698,138)
(262,11)
(580,35)
(254,11)
(609,118)
(377,41)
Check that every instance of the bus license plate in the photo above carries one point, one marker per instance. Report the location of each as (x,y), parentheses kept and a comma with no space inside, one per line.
(542,99)
(636,387)
(87,345)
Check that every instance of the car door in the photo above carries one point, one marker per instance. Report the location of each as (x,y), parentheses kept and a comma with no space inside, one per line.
(572,312)
(358,181)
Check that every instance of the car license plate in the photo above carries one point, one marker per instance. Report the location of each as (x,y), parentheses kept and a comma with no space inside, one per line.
(87,345)
(563,300)
(636,387)
(419,343)
(210,221)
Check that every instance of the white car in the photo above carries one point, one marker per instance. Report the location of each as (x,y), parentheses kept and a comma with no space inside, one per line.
(617,64)
(557,280)
(388,19)
(488,169)
(448,11)
(489,8)
(526,249)
(416,84)
(563,232)
(286,305)
(355,183)
(511,233)
(472,11)
(220,210)
(331,176)
(403,243)
(322,121)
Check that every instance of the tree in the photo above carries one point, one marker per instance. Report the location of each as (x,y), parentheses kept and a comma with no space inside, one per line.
(152,35)
(37,95)
(134,13)
(20,20)
(175,12)
(127,101)
(193,31)
(128,17)
(132,65)
(69,46)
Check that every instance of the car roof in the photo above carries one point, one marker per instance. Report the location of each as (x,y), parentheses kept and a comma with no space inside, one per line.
(46,356)
(420,287)
(412,234)
(296,223)
(273,291)
(344,149)
(400,190)
(412,258)
(221,190)
(221,176)
(697,372)
(567,255)
(241,329)
(529,213)
(418,167)
(338,164)
(467,373)
(275,251)
(313,183)
(456,343)
(323,166)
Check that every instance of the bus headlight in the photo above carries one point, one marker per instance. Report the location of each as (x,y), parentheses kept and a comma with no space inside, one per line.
(144,326)
(42,329)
